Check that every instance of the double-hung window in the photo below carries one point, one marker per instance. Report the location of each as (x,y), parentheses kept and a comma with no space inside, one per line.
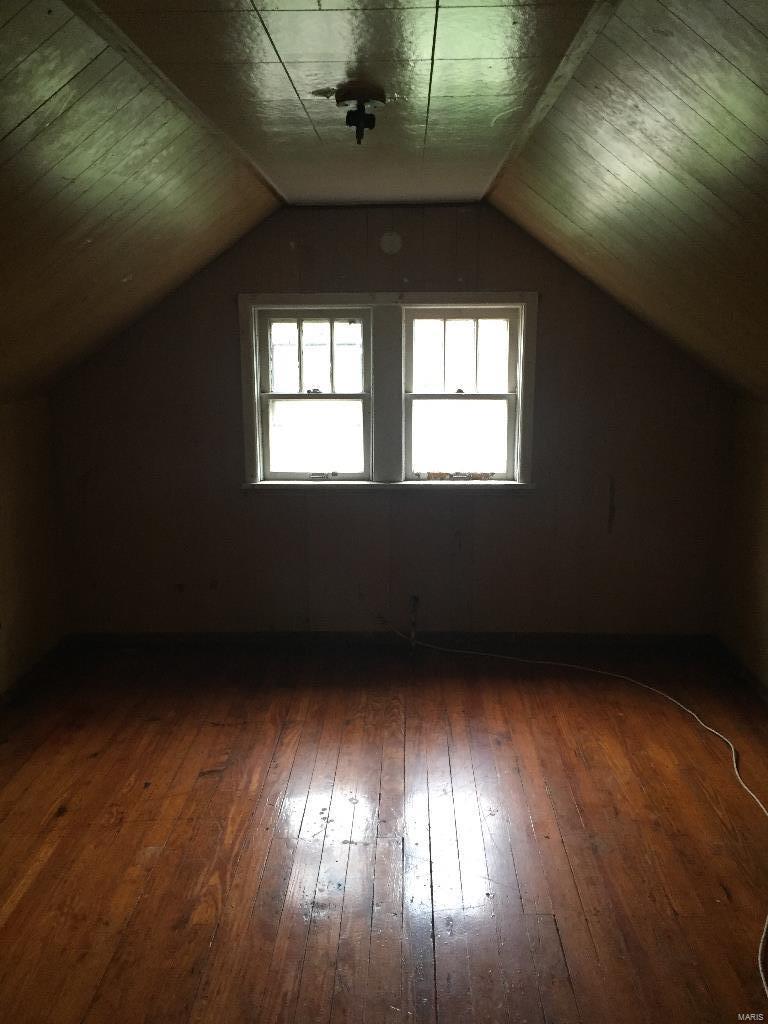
(314,394)
(461,370)
(388,389)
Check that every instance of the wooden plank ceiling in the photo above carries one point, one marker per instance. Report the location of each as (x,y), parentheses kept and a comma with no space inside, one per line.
(650,174)
(635,139)
(111,193)
(462,81)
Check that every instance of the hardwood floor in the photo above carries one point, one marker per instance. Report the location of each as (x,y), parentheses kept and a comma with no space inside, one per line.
(370,835)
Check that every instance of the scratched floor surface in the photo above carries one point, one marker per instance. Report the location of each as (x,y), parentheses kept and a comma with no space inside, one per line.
(370,835)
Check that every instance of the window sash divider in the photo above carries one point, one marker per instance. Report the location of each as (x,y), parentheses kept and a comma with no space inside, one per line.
(313,396)
(301,354)
(444,352)
(331,353)
(471,395)
(475,334)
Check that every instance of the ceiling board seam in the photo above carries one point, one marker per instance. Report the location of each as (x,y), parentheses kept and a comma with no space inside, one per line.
(646,235)
(664,117)
(58,124)
(38,46)
(204,167)
(743,16)
(103,231)
(577,50)
(115,143)
(429,85)
(73,233)
(577,174)
(15,14)
(697,85)
(621,255)
(630,241)
(674,170)
(210,177)
(106,28)
(47,99)
(285,69)
(105,198)
(146,192)
(73,183)
(653,204)
(599,247)
(617,290)
(51,168)
(666,85)
(708,44)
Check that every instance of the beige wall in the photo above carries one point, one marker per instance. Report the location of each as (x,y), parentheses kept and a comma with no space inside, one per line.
(744,613)
(29,599)
(163,538)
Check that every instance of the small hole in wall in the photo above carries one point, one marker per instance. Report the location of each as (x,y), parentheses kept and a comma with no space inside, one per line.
(390,243)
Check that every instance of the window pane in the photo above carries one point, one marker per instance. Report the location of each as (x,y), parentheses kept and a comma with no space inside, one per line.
(492,355)
(316,436)
(428,355)
(347,356)
(284,356)
(459,435)
(459,356)
(316,355)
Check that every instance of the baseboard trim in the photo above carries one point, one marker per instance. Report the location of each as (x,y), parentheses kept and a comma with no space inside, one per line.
(312,640)
(76,648)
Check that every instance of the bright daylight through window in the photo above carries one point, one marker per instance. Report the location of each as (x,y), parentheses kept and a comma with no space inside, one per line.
(389,390)
(462,383)
(315,407)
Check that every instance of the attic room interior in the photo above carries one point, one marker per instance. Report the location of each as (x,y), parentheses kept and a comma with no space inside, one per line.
(383,511)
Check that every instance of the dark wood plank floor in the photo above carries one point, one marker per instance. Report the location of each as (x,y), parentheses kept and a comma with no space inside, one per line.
(374,835)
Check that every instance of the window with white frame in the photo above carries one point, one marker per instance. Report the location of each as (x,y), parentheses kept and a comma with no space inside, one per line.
(460,393)
(314,394)
(388,389)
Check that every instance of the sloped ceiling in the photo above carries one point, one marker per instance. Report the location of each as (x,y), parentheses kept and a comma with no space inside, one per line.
(137,137)
(111,193)
(650,174)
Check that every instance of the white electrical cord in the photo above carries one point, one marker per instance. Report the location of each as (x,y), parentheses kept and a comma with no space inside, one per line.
(645,686)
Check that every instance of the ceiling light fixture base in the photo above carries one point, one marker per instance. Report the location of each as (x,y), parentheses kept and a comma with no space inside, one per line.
(360,95)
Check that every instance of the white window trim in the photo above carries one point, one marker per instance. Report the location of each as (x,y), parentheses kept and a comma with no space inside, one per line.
(412,312)
(265,394)
(386,366)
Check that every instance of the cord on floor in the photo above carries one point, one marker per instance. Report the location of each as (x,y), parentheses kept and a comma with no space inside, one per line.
(414,642)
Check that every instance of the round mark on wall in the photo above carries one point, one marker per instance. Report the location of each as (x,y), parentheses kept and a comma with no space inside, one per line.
(390,243)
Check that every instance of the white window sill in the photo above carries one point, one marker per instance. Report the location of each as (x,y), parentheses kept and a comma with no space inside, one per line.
(486,486)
